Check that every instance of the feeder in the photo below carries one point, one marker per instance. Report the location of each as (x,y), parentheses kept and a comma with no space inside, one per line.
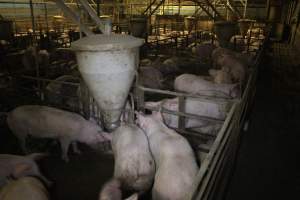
(108,64)
(189,23)
(224,31)
(138,26)
(244,25)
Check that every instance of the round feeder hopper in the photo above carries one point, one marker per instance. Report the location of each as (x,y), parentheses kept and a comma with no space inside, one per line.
(224,31)
(189,23)
(108,64)
(244,25)
(138,26)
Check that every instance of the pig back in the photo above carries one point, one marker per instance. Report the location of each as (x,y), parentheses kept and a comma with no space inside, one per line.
(134,164)
(43,121)
(26,188)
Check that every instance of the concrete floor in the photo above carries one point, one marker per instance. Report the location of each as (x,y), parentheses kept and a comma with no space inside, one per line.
(268,164)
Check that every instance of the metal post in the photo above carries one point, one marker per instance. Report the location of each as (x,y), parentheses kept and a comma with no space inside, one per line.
(98,7)
(32,18)
(46,17)
(245,9)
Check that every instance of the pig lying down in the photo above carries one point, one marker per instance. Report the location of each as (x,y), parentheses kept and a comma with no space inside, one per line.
(197,85)
(16,166)
(47,122)
(25,188)
(112,191)
(176,165)
(193,106)
(134,165)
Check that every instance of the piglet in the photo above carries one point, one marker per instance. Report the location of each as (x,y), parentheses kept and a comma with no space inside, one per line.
(47,122)
(25,188)
(134,164)
(176,165)
(193,84)
(15,166)
(112,191)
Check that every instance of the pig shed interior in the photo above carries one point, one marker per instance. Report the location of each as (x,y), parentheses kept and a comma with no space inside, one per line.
(223,75)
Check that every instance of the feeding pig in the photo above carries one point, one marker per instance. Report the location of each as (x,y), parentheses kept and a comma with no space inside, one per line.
(112,191)
(215,110)
(134,165)
(25,188)
(176,165)
(47,122)
(17,166)
(193,84)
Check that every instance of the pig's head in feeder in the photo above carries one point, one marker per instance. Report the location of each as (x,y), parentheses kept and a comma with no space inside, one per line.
(108,64)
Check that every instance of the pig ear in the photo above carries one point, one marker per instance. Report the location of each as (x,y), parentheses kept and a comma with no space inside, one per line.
(20,169)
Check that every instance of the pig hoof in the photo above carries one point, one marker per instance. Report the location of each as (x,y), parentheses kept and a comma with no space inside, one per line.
(77,151)
(66,159)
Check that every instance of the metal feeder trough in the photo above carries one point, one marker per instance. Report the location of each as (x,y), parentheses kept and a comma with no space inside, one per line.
(224,31)
(108,65)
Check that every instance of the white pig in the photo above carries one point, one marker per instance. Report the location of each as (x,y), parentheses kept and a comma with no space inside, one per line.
(134,165)
(16,166)
(112,191)
(220,76)
(25,188)
(176,165)
(193,84)
(47,122)
(193,106)
(233,67)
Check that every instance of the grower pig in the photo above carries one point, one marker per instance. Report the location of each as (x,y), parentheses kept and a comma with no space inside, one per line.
(151,77)
(176,165)
(233,67)
(63,94)
(134,165)
(220,76)
(25,188)
(197,107)
(16,166)
(112,191)
(47,122)
(203,51)
(193,84)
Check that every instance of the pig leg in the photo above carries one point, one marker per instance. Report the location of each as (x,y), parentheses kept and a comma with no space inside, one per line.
(75,148)
(64,143)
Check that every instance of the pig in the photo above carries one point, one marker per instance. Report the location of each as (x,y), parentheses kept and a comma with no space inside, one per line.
(243,58)
(197,85)
(203,51)
(151,77)
(112,191)
(136,173)
(194,106)
(220,76)
(169,66)
(63,94)
(233,67)
(17,166)
(47,122)
(176,165)
(25,188)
